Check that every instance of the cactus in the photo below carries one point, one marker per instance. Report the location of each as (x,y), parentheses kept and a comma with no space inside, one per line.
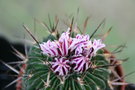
(69,61)
(42,77)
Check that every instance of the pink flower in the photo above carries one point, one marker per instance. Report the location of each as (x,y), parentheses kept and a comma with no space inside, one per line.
(78,43)
(64,42)
(49,48)
(64,36)
(97,44)
(80,63)
(60,66)
(57,48)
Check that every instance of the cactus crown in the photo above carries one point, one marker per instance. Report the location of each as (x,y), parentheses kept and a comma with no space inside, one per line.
(67,61)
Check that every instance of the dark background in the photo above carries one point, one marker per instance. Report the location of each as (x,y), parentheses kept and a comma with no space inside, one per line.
(6,55)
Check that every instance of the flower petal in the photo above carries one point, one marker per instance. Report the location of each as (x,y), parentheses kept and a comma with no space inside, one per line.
(49,48)
(81,63)
(97,44)
(61,66)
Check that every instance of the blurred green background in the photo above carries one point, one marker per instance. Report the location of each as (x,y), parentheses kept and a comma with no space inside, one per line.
(118,13)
